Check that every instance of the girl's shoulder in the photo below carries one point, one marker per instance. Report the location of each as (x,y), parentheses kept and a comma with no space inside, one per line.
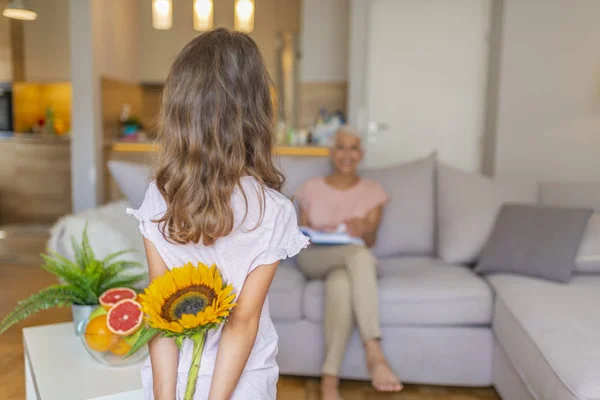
(261,204)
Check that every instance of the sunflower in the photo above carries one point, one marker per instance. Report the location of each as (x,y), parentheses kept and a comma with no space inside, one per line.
(187,299)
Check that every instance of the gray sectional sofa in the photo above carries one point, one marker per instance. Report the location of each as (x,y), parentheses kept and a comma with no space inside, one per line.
(442,323)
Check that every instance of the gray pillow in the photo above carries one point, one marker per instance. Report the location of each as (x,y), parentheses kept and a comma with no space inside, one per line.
(408,221)
(132,178)
(588,257)
(532,240)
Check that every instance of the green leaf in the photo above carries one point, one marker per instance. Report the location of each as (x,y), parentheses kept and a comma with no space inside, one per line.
(111,257)
(179,341)
(122,281)
(78,252)
(64,260)
(119,267)
(54,296)
(85,245)
(62,271)
(145,336)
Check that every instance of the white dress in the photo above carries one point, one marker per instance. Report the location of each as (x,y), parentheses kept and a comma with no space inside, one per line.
(252,243)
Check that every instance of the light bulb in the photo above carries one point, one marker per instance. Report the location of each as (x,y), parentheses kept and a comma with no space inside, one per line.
(244,15)
(203,15)
(162,14)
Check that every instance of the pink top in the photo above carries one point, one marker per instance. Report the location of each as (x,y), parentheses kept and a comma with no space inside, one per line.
(327,207)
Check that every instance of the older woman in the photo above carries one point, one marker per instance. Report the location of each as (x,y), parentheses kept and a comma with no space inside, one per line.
(343,197)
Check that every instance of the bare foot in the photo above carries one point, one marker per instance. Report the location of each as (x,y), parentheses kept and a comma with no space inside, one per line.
(329,388)
(383,377)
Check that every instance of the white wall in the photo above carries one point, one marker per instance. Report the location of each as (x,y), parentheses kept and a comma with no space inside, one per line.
(46,42)
(548,120)
(425,64)
(324,41)
(118,43)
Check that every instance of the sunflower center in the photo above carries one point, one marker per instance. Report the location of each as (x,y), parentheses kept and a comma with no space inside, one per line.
(189,300)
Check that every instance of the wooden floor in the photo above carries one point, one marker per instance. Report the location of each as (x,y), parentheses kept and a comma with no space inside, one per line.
(20,276)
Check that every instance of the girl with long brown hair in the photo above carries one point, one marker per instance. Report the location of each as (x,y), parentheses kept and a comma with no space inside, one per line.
(216,199)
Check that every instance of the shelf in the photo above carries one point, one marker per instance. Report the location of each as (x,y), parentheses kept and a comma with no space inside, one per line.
(301,151)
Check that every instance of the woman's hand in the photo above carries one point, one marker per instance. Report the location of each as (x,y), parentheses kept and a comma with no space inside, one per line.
(366,228)
(357,227)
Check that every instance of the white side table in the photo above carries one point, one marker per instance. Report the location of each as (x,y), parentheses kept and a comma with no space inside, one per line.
(57,367)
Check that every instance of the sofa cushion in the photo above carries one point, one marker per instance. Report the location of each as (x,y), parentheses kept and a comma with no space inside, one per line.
(535,240)
(285,294)
(132,178)
(420,291)
(407,226)
(467,205)
(549,333)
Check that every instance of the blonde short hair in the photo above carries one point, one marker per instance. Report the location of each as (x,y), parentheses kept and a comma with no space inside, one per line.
(349,130)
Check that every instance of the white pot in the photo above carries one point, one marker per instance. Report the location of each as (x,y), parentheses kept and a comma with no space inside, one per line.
(80,316)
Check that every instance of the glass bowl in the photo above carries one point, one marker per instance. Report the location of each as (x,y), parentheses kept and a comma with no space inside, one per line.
(109,357)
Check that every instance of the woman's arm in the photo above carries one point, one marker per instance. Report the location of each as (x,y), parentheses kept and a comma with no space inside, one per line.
(303,218)
(366,228)
(239,332)
(163,351)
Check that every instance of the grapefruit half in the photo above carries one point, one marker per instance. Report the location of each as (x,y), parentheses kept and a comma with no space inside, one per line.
(125,317)
(114,295)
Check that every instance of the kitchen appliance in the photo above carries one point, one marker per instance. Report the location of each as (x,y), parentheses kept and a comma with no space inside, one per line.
(6,108)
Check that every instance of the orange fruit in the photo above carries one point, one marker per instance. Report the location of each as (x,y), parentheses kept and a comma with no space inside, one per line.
(121,348)
(98,337)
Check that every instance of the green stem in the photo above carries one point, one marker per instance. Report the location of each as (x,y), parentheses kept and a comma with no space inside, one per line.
(190,389)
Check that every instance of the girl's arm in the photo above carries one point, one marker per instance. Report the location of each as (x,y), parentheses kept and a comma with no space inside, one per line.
(163,351)
(239,332)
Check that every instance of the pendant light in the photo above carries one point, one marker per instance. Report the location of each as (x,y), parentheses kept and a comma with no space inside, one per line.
(162,14)
(16,9)
(203,15)
(244,16)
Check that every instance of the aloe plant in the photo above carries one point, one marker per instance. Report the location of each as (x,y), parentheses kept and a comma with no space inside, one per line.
(82,280)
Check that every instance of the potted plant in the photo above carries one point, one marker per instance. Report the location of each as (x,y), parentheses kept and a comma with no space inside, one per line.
(82,282)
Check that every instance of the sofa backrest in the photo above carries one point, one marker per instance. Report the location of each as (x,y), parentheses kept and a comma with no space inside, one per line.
(297,170)
(571,194)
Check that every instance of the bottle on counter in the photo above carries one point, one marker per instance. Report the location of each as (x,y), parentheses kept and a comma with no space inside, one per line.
(48,128)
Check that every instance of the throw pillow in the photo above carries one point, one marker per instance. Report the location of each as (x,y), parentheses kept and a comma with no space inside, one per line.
(467,205)
(408,222)
(533,240)
(588,257)
(132,178)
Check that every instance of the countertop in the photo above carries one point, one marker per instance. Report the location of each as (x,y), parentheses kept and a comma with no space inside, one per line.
(33,138)
(145,147)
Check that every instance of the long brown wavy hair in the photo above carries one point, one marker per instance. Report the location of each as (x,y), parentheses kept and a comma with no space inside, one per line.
(215,126)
